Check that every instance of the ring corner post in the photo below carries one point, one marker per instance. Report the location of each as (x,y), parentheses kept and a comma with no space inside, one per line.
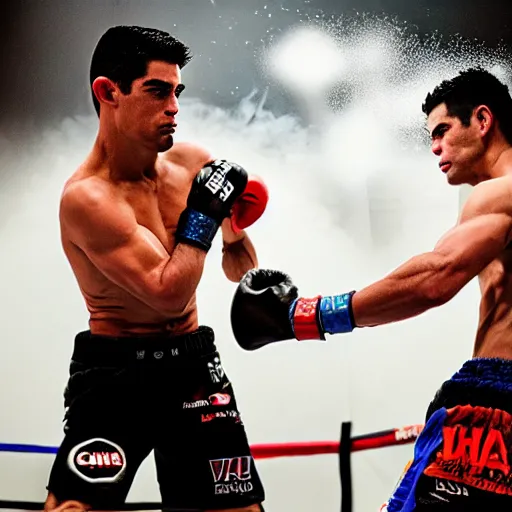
(345,468)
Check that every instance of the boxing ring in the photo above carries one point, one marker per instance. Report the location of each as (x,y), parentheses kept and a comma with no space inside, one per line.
(343,448)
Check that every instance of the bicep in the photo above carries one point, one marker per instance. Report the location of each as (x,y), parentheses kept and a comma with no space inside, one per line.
(470,246)
(126,253)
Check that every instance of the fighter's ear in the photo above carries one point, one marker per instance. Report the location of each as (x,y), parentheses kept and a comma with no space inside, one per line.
(105,90)
(484,118)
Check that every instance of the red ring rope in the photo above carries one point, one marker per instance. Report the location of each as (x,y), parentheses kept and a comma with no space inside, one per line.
(392,437)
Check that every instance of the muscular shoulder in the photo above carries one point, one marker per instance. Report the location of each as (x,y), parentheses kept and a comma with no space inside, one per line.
(188,155)
(489,197)
(90,206)
(90,193)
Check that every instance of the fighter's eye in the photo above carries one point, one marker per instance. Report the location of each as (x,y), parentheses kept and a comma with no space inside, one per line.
(439,131)
(159,93)
(179,90)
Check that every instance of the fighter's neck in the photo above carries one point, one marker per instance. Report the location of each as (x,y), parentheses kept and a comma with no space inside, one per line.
(124,161)
(502,164)
(496,162)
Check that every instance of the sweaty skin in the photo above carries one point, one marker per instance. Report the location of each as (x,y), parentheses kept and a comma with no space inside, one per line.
(151,206)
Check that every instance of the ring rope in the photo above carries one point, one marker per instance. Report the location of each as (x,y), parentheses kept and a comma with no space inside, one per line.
(381,439)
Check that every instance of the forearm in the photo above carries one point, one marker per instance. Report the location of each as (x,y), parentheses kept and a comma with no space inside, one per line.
(418,285)
(179,278)
(238,254)
(424,282)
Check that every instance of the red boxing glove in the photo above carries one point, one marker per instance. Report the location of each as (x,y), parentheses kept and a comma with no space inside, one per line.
(251,204)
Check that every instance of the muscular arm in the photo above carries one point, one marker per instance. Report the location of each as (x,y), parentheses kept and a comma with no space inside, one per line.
(433,278)
(238,253)
(128,254)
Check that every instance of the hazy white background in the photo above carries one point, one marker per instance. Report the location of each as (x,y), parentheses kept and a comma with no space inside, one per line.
(352,195)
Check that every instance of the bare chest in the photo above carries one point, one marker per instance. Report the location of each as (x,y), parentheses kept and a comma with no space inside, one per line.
(158,207)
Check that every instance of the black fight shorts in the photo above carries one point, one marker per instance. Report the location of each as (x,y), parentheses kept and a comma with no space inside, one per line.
(128,396)
(463,457)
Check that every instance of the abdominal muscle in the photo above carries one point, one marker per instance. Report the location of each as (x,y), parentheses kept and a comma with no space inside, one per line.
(115,312)
(128,316)
(494,335)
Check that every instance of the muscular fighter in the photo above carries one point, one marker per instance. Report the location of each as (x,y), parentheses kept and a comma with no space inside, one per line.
(462,459)
(138,218)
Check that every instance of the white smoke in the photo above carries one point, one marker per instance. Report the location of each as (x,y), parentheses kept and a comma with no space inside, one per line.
(351,196)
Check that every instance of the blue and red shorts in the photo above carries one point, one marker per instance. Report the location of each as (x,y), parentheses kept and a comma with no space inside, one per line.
(463,457)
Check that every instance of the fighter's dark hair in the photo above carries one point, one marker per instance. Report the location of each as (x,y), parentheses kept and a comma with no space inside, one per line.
(123,53)
(469,89)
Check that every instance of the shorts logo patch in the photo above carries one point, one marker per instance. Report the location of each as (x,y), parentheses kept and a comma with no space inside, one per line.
(196,404)
(205,418)
(232,475)
(453,488)
(98,461)
(216,370)
(475,449)
(220,399)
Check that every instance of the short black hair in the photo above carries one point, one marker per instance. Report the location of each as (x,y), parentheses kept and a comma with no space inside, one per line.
(123,53)
(470,88)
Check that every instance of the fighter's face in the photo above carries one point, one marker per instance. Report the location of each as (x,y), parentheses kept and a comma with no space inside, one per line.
(147,115)
(458,147)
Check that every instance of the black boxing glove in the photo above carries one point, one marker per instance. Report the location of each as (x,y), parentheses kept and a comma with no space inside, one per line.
(214,191)
(260,308)
(266,308)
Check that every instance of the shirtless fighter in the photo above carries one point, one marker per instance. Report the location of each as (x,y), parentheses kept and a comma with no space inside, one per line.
(138,218)
(462,459)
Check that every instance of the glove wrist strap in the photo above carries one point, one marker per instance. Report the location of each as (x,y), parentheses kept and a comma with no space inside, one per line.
(306,324)
(336,315)
(195,228)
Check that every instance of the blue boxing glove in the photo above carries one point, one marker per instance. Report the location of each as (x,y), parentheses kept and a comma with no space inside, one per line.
(266,308)
(213,193)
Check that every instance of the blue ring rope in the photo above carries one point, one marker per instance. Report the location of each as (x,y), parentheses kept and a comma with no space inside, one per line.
(27,448)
